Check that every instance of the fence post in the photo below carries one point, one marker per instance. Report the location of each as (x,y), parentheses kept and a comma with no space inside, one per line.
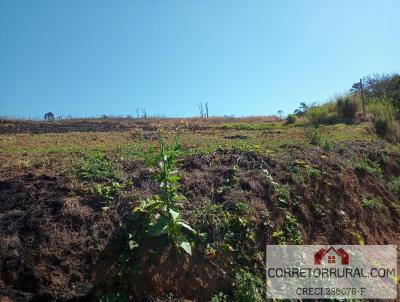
(362,99)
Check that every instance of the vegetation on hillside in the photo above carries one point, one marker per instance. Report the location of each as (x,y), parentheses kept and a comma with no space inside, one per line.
(376,100)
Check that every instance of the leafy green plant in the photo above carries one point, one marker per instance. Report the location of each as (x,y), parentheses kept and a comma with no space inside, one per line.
(233,175)
(366,165)
(312,173)
(326,145)
(290,232)
(318,209)
(242,208)
(282,195)
(291,229)
(106,193)
(370,203)
(160,213)
(394,186)
(220,297)
(248,287)
(95,166)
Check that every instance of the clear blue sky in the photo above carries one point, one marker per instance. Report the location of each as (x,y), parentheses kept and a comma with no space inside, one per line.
(88,57)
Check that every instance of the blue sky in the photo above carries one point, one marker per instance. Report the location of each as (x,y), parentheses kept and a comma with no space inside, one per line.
(88,57)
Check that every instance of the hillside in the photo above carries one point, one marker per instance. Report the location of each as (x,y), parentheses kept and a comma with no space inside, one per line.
(69,194)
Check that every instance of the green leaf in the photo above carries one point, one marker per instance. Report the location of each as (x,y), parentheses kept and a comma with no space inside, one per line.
(132,244)
(186,226)
(185,245)
(174,214)
(159,228)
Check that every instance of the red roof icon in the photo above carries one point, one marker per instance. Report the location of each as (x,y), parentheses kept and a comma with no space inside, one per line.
(319,256)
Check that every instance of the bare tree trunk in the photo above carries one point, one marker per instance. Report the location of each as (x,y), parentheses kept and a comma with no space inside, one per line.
(206,105)
(144,113)
(201,109)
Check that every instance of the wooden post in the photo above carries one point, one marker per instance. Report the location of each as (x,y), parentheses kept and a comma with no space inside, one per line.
(362,99)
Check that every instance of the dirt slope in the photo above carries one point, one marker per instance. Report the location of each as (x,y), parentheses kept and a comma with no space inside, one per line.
(56,244)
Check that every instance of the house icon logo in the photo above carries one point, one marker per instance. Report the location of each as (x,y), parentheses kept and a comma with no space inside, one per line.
(331,256)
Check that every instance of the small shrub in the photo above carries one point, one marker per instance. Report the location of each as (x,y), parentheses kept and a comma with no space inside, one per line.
(312,173)
(372,168)
(346,109)
(318,209)
(248,287)
(394,186)
(242,208)
(160,214)
(283,194)
(106,193)
(220,297)
(370,203)
(326,145)
(291,229)
(290,119)
(290,233)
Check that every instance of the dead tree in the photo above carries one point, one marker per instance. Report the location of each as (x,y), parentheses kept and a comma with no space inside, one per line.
(206,106)
(137,112)
(201,111)
(144,113)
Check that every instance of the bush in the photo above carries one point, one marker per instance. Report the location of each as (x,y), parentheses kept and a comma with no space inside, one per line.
(290,119)
(381,125)
(384,122)
(346,109)
(370,203)
(49,116)
(106,193)
(366,166)
(381,108)
(219,298)
(317,115)
(248,287)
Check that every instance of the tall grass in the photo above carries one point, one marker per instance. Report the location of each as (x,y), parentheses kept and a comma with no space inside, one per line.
(381,109)
(317,115)
(346,108)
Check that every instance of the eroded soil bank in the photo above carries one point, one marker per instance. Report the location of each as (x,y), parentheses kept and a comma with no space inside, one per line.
(57,244)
